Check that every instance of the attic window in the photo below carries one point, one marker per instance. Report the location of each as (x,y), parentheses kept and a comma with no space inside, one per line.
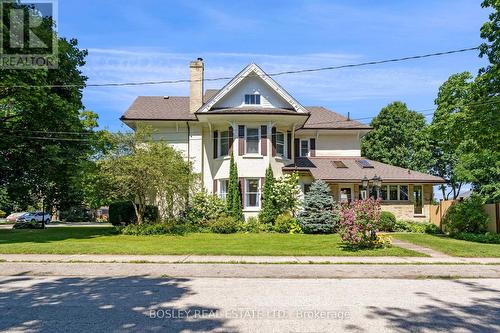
(252,99)
(365,164)
(339,164)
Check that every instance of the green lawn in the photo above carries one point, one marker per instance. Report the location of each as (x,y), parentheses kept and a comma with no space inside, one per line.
(103,240)
(453,247)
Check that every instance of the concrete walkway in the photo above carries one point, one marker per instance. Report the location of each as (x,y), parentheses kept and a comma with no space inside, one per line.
(250,270)
(418,248)
(192,259)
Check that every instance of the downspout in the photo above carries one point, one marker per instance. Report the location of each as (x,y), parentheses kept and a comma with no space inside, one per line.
(189,140)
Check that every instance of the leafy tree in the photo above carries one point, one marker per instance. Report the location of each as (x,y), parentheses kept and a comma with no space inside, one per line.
(233,197)
(480,151)
(147,172)
(268,212)
(37,163)
(446,130)
(319,214)
(399,137)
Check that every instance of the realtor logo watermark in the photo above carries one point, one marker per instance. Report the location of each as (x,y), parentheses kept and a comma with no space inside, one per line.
(28,34)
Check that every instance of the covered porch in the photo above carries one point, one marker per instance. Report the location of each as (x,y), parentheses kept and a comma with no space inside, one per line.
(405,193)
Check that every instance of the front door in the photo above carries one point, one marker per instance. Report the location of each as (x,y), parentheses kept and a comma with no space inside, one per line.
(418,199)
(345,194)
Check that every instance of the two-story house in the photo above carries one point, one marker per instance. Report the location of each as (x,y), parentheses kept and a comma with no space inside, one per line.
(255,119)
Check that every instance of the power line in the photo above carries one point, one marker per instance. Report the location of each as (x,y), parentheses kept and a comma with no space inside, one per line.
(299,71)
(186,132)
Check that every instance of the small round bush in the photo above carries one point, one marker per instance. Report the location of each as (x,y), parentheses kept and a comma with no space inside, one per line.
(466,216)
(252,224)
(224,225)
(286,224)
(203,208)
(387,221)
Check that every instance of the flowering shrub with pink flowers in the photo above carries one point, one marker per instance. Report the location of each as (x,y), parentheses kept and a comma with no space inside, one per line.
(359,221)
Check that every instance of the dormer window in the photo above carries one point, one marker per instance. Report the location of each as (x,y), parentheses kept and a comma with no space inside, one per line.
(252,99)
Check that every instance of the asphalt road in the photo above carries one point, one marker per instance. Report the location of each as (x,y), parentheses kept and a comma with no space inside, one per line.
(144,304)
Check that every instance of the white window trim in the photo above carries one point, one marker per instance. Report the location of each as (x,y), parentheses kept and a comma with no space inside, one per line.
(308,147)
(219,145)
(399,192)
(220,182)
(284,144)
(247,192)
(255,93)
(258,143)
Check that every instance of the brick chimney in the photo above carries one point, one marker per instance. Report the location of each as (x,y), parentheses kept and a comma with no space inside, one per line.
(196,85)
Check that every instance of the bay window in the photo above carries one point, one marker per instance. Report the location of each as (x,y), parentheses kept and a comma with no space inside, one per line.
(252,141)
(280,144)
(252,192)
(223,185)
(224,143)
(304,148)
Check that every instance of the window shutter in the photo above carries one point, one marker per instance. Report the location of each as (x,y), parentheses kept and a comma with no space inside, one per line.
(273,140)
(241,140)
(230,129)
(215,187)
(263,140)
(296,143)
(242,190)
(289,145)
(216,152)
(312,147)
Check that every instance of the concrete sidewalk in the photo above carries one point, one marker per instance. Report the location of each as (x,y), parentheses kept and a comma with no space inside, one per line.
(311,271)
(179,259)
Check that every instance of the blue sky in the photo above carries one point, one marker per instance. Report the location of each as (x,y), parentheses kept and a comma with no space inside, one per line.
(155,40)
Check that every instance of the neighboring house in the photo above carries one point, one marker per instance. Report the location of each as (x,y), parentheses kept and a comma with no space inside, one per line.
(261,124)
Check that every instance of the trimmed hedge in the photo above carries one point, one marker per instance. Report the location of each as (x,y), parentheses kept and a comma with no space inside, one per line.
(387,221)
(224,225)
(417,227)
(487,238)
(123,213)
(176,227)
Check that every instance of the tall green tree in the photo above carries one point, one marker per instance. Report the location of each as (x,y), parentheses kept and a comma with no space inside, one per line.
(45,132)
(446,130)
(480,158)
(399,137)
(147,172)
(268,211)
(233,197)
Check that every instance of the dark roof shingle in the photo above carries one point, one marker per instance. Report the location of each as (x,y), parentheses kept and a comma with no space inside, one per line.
(323,168)
(322,118)
(177,108)
(159,108)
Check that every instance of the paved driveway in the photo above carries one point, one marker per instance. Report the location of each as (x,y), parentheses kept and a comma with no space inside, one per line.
(139,304)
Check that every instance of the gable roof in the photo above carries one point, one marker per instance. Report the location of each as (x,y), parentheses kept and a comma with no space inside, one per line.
(252,69)
(177,108)
(323,168)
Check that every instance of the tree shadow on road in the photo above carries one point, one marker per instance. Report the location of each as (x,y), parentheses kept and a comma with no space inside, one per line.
(480,313)
(124,304)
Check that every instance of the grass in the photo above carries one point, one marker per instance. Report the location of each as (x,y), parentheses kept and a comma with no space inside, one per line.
(453,247)
(103,240)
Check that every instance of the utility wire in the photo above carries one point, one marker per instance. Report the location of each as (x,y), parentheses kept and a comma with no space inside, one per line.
(186,132)
(309,70)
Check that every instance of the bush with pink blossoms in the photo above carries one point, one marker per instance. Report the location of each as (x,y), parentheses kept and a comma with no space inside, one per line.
(359,221)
